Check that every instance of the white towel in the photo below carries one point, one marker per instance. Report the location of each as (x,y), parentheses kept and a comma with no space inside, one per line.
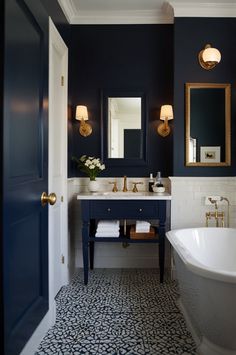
(107,223)
(105,234)
(108,230)
(142,223)
(108,227)
(142,227)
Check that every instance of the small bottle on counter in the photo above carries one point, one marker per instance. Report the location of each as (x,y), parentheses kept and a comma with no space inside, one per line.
(158,180)
(150,183)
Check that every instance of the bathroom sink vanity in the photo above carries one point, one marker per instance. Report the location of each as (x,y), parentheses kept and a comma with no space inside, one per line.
(143,206)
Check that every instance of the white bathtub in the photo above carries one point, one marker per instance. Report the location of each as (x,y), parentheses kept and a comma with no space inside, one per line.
(205,260)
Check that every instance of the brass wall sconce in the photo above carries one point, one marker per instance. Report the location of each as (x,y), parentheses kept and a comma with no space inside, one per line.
(81,115)
(209,57)
(166,114)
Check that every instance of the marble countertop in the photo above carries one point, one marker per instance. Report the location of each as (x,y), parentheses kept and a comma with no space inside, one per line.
(123,196)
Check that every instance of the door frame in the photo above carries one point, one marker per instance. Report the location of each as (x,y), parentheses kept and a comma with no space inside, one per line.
(49,319)
(57,42)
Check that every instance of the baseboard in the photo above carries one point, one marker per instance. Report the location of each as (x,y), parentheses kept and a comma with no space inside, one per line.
(47,322)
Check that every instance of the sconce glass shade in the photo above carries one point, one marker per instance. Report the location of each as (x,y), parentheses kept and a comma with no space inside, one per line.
(209,57)
(81,113)
(166,112)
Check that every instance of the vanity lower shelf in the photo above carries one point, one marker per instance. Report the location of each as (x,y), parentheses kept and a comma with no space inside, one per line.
(122,239)
(135,209)
(126,238)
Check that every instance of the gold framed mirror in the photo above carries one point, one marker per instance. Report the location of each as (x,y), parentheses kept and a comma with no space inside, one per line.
(208,119)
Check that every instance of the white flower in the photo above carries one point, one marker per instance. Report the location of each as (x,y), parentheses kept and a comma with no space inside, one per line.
(83,158)
(94,161)
(88,162)
(91,166)
(102,167)
(91,158)
(98,165)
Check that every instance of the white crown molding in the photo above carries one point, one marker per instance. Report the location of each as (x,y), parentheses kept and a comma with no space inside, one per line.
(203,9)
(68,8)
(163,16)
(122,17)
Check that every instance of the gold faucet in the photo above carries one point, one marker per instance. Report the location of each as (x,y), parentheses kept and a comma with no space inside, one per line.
(125,184)
(115,189)
(218,215)
(225,199)
(135,186)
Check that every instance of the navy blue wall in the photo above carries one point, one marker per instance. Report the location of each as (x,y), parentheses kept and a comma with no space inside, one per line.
(190,36)
(55,12)
(2,39)
(127,57)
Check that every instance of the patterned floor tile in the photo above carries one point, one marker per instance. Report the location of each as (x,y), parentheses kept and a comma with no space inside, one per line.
(135,345)
(88,347)
(57,341)
(120,312)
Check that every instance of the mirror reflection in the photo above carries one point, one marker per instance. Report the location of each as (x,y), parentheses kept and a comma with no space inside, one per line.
(124,127)
(207,124)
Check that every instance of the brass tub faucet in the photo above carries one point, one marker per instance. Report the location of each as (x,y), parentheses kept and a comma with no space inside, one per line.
(219,216)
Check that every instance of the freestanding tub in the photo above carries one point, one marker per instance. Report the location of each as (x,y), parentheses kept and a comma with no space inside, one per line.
(205,260)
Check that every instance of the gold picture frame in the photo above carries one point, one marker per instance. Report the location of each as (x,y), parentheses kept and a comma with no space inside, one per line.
(227,123)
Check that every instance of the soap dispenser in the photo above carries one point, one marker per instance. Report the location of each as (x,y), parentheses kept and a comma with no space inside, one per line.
(158,180)
(158,187)
(150,183)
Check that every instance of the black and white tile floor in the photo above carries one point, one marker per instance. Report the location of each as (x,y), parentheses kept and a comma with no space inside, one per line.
(119,312)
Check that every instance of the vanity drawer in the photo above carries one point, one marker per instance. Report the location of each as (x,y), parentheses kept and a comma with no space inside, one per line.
(124,209)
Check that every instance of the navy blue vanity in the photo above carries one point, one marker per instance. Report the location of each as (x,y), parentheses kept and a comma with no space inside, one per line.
(127,206)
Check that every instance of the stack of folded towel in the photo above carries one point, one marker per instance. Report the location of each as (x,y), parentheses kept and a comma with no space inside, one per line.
(142,227)
(108,229)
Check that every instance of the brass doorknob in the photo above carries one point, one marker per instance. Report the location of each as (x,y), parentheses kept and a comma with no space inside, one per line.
(51,199)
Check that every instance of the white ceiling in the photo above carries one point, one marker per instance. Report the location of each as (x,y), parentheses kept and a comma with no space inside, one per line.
(143,11)
(127,105)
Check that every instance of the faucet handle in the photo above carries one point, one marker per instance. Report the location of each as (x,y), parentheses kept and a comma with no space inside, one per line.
(135,185)
(214,202)
(115,189)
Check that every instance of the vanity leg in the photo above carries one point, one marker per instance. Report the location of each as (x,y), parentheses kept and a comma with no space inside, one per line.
(91,254)
(162,257)
(91,244)
(85,236)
